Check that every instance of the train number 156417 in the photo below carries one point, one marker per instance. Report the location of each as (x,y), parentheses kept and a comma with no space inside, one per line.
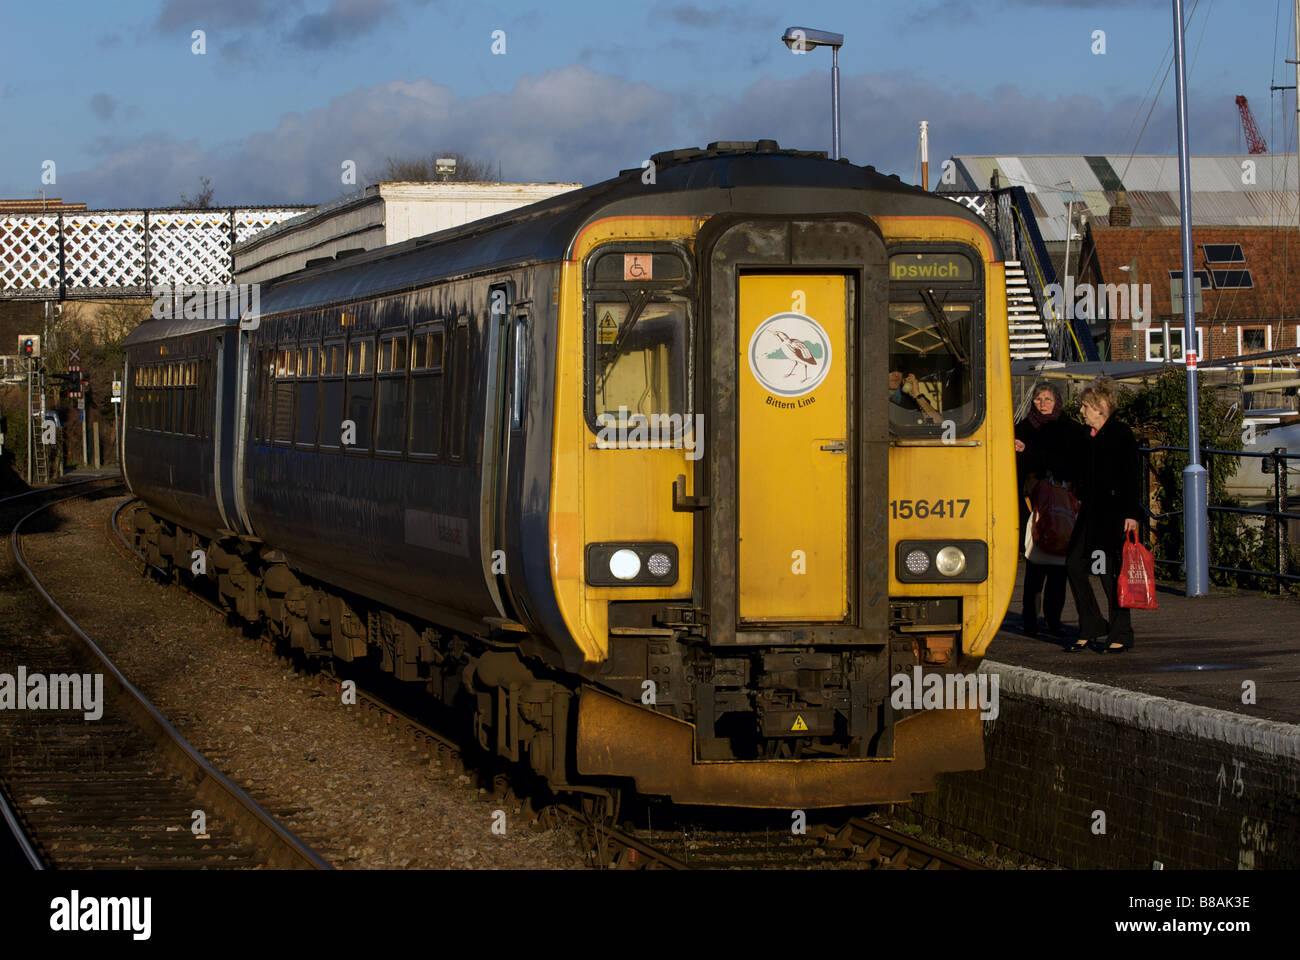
(921,509)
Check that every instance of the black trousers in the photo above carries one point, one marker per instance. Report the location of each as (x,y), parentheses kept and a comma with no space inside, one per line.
(1079,562)
(1049,580)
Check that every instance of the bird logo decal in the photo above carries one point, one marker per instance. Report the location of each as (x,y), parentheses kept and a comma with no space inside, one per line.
(789,354)
(798,351)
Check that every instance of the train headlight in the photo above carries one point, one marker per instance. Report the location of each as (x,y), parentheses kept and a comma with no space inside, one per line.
(950,561)
(941,561)
(624,564)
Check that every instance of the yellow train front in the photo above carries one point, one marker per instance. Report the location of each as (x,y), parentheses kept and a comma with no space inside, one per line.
(696,478)
(783,488)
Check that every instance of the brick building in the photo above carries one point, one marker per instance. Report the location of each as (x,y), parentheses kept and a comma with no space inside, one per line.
(1249,301)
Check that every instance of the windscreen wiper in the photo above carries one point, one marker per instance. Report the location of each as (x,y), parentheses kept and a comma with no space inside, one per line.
(637,306)
(945,329)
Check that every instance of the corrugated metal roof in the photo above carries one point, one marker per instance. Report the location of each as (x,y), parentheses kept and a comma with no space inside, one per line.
(1219,195)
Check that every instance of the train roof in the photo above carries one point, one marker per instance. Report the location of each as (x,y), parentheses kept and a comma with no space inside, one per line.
(166,328)
(690,181)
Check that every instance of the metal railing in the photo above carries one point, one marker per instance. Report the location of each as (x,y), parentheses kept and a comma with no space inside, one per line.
(1033,256)
(1276,460)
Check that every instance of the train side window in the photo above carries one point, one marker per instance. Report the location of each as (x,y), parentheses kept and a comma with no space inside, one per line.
(460,388)
(176,424)
(390,423)
(282,422)
(361,390)
(425,423)
(331,394)
(308,388)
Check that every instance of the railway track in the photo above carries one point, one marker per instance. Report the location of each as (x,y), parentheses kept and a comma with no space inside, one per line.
(122,789)
(854,843)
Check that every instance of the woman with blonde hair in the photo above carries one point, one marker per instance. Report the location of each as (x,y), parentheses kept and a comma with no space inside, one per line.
(1109,490)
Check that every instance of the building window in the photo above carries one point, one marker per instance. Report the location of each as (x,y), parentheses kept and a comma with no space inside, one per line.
(1155,344)
(1232,280)
(1254,339)
(1223,253)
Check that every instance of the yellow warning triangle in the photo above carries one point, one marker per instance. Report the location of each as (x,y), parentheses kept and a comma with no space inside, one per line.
(798,723)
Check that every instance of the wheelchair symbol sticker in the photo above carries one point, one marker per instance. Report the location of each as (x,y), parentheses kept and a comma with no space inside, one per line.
(638,266)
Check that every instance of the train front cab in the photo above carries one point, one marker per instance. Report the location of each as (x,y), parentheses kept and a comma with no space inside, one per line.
(781,616)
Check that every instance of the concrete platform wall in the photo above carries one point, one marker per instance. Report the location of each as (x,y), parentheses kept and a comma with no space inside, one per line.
(1188,786)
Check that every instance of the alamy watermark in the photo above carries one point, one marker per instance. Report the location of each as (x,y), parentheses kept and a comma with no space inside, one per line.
(212,301)
(57,691)
(1095,301)
(75,913)
(637,431)
(945,691)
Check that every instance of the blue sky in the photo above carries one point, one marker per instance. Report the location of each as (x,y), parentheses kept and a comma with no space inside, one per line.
(288,90)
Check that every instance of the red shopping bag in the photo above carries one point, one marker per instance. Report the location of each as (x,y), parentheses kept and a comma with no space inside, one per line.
(1137,576)
(1055,513)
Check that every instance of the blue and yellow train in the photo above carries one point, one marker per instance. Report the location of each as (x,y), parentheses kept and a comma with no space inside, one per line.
(664,478)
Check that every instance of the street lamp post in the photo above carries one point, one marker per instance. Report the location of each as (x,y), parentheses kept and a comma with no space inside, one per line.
(1195,480)
(801,40)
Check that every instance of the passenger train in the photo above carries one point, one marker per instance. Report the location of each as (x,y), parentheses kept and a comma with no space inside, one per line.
(665,479)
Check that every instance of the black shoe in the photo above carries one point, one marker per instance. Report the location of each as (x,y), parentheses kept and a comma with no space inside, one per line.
(1116,647)
(1079,644)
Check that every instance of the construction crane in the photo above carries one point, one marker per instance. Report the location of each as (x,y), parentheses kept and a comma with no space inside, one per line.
(1254,139)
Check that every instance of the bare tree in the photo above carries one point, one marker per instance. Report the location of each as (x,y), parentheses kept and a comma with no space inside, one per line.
(202,200)
(468,169)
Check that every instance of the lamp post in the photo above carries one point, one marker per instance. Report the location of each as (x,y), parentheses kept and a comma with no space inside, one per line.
(800,40)
(1196,538)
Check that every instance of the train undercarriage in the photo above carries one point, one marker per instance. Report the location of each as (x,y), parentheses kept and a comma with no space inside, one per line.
(767,727)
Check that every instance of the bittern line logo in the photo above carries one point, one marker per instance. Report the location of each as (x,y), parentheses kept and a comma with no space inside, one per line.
(790,354)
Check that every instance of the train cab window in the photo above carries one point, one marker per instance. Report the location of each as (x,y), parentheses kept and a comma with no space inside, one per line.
(361,390)
(331,393)
(638,318)
(308,388)
(935,342)
(390,422)
(424,427)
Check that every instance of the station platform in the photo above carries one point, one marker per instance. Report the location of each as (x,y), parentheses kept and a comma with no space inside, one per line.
(1195,650)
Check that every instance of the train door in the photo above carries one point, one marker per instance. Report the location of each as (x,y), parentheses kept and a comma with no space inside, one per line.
(793,425)
(793,381)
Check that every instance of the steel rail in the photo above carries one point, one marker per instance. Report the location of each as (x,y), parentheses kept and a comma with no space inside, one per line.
(287,850)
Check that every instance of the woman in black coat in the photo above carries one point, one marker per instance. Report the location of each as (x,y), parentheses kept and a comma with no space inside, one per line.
(1110,497)
(1047,447)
